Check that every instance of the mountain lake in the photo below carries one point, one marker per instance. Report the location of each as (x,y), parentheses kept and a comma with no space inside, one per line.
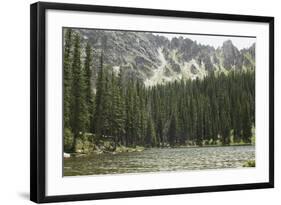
(160,159)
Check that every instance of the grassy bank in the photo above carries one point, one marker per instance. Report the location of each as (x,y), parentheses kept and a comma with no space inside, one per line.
(250,163)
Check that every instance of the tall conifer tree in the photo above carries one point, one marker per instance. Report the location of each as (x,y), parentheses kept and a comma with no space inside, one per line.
(88,85)
(79,114)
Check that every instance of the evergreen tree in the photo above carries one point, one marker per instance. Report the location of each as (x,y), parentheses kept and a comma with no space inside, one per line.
(247,128)
(129,107)
(68,137)
(100,87)
(67,75)
(89,98)
(118,110)
(150,139)
(107,104)
(237,124)
(173,132)
(79,114)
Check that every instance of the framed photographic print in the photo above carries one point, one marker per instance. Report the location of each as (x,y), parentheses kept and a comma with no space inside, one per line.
(129,102)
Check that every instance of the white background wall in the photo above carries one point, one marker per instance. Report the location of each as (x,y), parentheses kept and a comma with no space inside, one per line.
(14,100)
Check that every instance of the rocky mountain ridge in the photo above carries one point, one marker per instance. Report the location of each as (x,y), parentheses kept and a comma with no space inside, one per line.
(155,59)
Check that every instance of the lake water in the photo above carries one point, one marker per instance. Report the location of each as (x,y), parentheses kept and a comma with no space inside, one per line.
(160,159)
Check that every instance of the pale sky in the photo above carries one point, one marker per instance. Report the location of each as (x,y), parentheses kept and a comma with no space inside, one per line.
(215,41)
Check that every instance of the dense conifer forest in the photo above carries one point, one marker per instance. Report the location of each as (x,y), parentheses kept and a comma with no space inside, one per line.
(101,103)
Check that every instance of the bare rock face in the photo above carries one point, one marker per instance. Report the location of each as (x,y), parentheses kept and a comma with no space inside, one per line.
(155,59)
(231,56)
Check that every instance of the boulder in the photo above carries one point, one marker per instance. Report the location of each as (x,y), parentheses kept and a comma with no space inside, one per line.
(66,155)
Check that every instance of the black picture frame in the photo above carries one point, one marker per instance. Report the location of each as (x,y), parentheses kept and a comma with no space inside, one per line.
(38,101)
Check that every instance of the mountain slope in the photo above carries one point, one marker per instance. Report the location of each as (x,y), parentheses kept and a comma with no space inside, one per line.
(155,59)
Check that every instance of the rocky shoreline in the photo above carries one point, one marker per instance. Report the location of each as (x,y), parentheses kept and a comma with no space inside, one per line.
(85,148)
